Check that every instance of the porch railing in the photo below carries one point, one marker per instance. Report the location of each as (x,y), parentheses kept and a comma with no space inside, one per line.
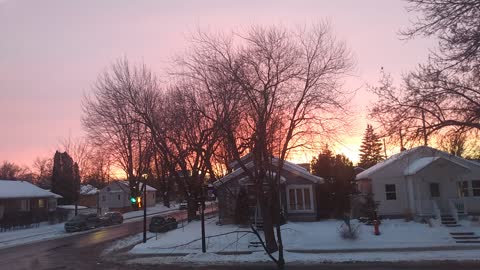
(453,210)
(460,205)
(436,210)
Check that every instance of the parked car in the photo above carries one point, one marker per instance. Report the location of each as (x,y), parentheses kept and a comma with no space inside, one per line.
(112,218)
(83,222)
(183,205)
(162,224)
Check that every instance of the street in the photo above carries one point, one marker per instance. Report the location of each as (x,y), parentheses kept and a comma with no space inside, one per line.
(79,251)
(83,251)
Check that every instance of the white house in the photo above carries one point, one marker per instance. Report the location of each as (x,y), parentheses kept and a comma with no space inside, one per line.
(423,181)
(116,196)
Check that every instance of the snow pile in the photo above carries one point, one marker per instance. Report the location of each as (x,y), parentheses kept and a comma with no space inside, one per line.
(10,189)
(71,207)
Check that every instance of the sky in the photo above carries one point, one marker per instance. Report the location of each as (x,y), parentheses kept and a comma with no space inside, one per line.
(52,51)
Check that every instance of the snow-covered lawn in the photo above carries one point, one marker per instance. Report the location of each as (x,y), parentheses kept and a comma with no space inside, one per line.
(321,237)
(44,232)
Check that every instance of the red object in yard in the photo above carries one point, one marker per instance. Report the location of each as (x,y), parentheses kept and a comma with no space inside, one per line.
(375,225)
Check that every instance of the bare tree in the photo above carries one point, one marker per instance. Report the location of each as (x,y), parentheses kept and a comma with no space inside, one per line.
(272,89)
(443,93)
(42,169)
(113,126)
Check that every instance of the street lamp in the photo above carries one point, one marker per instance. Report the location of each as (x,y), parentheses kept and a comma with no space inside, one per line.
(145,177)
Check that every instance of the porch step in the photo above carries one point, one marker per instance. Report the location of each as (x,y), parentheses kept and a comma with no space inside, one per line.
(468,242)
(448,219)
(462,233)
(254,244)
(465,237)
(449,222)
(453,225)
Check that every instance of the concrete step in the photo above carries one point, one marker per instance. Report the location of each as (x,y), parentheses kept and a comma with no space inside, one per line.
(446,216)
(468,242)
(462,233)
(449,222)
(453,225)
(465,237)
(448,219)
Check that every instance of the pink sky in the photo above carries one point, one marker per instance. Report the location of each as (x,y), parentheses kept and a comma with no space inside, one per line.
(52,51)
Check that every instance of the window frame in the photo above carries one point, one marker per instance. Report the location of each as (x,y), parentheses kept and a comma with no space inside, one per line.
(296,189)
(462,189)
(438,190)
(475,189)
(387,192)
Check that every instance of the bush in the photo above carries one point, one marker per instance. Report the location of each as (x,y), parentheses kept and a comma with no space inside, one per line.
(349,231)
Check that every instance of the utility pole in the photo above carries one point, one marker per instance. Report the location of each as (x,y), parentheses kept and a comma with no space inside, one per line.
(204,247)
(145,176)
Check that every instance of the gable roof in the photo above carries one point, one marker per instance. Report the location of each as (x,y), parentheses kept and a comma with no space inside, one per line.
(413,160)
(10,189)
(88,190)
(288,166)
(124,184)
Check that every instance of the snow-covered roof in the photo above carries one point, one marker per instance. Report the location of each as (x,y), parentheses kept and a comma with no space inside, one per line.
(288,166)
(421,163)
(88,190)
(411,161)
(10,189)
(125,183)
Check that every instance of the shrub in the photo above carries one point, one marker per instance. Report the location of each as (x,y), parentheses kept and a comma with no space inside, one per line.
(349,231)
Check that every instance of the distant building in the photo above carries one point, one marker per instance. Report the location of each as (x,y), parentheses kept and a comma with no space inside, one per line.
(88,196)
(116,196)
(22,203)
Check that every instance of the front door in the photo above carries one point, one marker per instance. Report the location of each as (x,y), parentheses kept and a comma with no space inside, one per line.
(435,195)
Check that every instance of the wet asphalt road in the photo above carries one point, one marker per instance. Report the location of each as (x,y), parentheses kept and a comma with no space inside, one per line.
(78,251)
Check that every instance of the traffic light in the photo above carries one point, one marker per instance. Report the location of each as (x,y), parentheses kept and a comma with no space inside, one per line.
(133,200)
(139,201)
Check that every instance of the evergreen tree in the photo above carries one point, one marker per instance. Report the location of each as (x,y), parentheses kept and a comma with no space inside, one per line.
(65,178)
(371,149)
(338,172)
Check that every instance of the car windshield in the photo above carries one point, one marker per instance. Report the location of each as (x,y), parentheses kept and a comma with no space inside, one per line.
(158,220)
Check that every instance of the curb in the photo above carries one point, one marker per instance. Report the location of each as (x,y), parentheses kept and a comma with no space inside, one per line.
(407,249)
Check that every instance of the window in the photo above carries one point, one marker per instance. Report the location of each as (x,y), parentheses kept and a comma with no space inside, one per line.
(391,192)
(462,188)
(476,188)
(118,196)
(103,198)
(24,205)
(300,198)
(41,203)
(434,190)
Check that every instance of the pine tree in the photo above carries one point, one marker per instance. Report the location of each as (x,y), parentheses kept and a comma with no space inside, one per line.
(338,172)
(371,149)
(65,178)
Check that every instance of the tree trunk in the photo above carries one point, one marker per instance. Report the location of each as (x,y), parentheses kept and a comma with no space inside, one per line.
(270,242)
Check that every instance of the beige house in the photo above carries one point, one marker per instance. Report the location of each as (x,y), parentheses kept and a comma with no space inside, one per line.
(423,181)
